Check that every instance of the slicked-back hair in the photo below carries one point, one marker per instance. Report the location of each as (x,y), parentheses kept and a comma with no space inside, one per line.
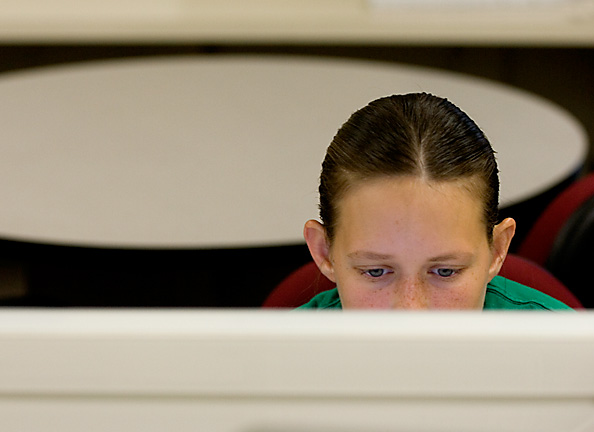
(417,135)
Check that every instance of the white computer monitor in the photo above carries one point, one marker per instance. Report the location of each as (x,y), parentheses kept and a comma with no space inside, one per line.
(271,371)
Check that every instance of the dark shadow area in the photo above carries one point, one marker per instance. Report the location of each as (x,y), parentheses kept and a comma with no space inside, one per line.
(61,276)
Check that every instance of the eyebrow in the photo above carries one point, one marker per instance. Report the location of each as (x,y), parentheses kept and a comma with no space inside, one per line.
(452,257)
(440,258)
(368,255)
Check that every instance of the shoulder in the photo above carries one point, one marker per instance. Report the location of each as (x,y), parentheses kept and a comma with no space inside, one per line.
(324,300)
(503,293)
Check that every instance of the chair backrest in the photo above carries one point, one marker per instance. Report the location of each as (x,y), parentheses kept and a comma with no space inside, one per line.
(307,281)
(298,288)
(539,240)
(572,253)
(531,274)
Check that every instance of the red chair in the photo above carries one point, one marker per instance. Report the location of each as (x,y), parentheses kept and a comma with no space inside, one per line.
(298,288)
(529,273)
(307,281)
(539,241)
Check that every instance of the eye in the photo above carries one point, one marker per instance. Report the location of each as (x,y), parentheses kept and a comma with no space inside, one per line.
(375,273)
(445,272)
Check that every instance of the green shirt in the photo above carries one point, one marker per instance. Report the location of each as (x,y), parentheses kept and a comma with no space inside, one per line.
(501,293)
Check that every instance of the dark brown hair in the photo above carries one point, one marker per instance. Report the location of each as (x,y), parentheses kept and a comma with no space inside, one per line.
(414,134)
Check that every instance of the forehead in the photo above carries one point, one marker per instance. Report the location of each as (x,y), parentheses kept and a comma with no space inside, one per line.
(406,208)
(414,188)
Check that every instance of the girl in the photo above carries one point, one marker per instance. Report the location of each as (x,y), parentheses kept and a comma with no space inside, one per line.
(409,194)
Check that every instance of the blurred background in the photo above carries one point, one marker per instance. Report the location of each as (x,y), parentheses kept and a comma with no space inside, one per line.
(545,48)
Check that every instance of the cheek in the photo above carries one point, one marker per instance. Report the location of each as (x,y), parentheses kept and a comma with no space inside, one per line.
(467,295)
(471,290)
(354,294)
(357,297)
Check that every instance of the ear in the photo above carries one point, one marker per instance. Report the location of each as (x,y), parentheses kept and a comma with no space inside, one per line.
(502,237)
(319,248)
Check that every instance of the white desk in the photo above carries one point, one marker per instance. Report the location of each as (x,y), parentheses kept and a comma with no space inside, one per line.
(205,152)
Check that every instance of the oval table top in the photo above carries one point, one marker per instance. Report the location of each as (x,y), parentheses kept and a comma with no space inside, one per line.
(224,151)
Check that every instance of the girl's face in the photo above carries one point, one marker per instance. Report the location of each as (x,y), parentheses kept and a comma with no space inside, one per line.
(406,243)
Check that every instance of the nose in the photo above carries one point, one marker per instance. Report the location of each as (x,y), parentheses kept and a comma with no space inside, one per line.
(410,293)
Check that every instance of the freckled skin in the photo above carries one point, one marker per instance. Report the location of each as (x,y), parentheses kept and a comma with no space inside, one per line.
(405,243)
